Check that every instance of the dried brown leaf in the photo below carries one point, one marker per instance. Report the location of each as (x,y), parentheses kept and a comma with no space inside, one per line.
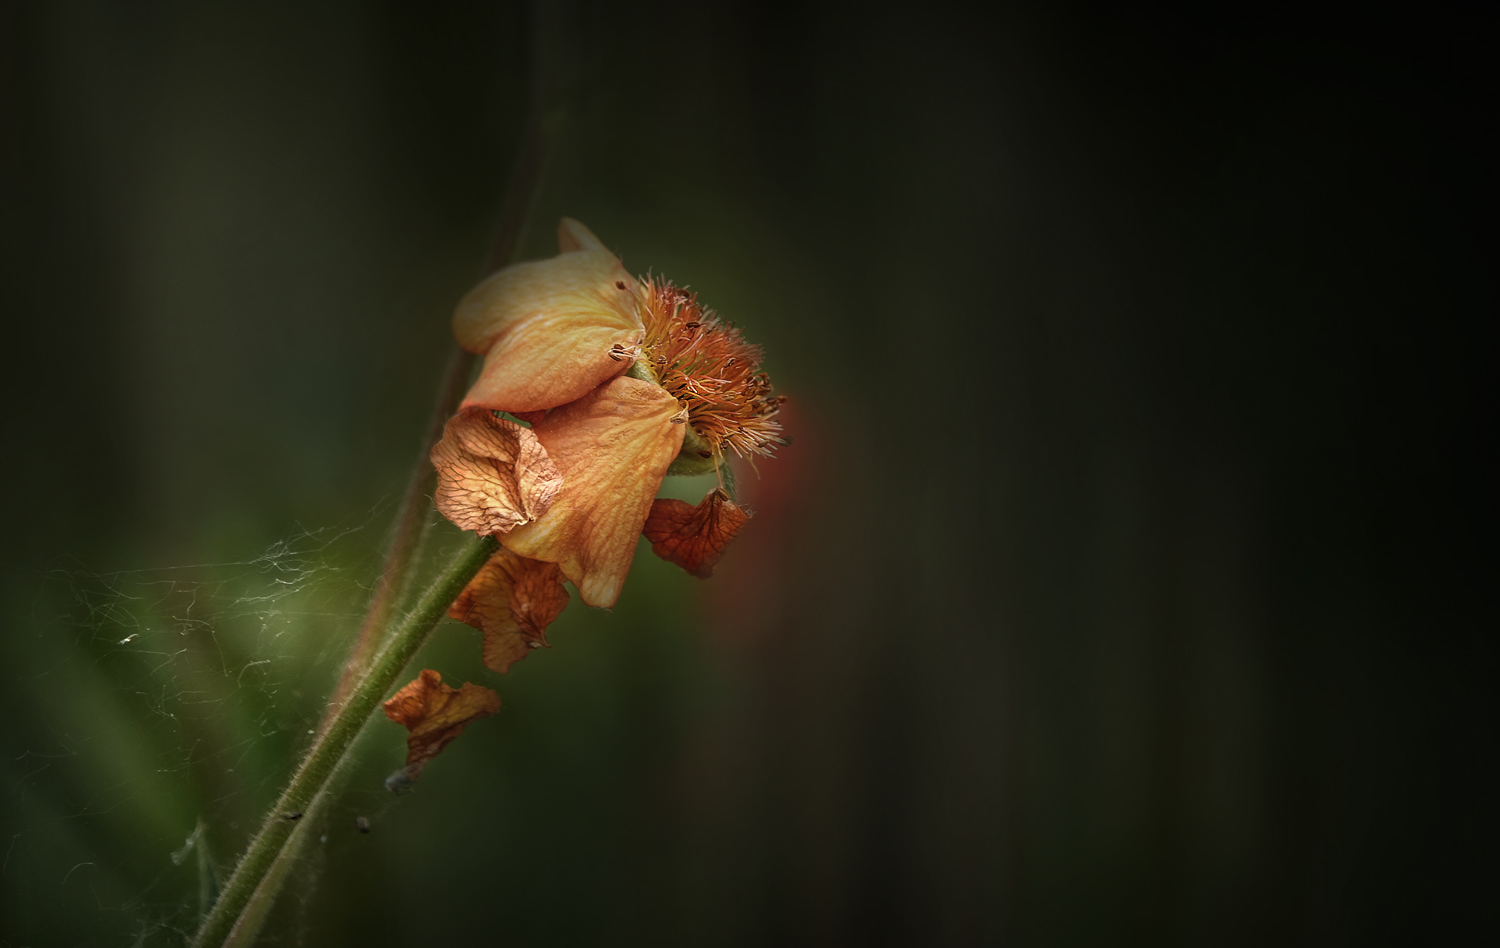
(511,600)
(434,714)
(694,537)
(492,474)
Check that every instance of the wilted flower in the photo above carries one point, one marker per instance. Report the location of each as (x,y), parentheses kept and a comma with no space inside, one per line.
(622,381)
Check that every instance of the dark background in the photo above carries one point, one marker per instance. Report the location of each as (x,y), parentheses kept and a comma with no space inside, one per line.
(1122,583)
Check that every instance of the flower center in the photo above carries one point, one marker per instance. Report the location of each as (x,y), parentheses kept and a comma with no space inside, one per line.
(706,364)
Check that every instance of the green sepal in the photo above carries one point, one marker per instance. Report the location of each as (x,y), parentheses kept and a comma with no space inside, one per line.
(696,456)
(690,464)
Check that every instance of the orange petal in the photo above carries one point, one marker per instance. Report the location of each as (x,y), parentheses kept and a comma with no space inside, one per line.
(512,600)
(694,537)
(493,474)
(572,235)
(612,447)
(435,714)
(547,326)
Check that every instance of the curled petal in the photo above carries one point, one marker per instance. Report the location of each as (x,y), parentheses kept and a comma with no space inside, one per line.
(434,714)
(694,537)
(547,327)
(493,475)
(613,448)
(572,235)
(512,600)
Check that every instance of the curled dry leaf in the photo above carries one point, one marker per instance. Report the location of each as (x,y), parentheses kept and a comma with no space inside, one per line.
(512,600)
(493,474)
(694,537)
(434,714)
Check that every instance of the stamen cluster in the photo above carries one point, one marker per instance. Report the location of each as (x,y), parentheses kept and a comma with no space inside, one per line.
(706,364)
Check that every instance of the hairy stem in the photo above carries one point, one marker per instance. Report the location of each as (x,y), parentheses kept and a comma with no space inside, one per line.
(510,228)
(328,750)
(236,917)
(543,123)
(400,555)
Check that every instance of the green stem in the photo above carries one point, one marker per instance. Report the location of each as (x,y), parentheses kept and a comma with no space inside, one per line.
(328,750)
(406,535)
(247,898)
(314,821)
(542,127)
(249,923)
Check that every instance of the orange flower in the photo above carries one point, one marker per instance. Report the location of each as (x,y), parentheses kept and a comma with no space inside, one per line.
(623,381)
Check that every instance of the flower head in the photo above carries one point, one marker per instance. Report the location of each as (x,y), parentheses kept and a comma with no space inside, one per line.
(710,369)
(622,381)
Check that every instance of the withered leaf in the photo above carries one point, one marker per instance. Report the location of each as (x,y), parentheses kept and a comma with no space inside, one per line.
(511,600)
(492,474)
(434,714)
(694,537)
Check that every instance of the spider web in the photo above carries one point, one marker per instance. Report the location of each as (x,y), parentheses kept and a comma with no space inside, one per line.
(155,717)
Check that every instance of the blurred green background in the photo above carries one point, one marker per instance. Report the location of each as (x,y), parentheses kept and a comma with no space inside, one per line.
(1123,584)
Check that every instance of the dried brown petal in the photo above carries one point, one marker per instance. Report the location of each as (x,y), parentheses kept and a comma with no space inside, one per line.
(613,447)
(694,537)
(434,714)
(493,474)
(512,600)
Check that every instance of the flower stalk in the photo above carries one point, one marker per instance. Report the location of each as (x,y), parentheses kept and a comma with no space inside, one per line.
(406,537)
(270,848)
(386,643)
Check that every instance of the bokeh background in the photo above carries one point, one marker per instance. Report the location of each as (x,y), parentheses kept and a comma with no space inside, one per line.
(1126,582)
